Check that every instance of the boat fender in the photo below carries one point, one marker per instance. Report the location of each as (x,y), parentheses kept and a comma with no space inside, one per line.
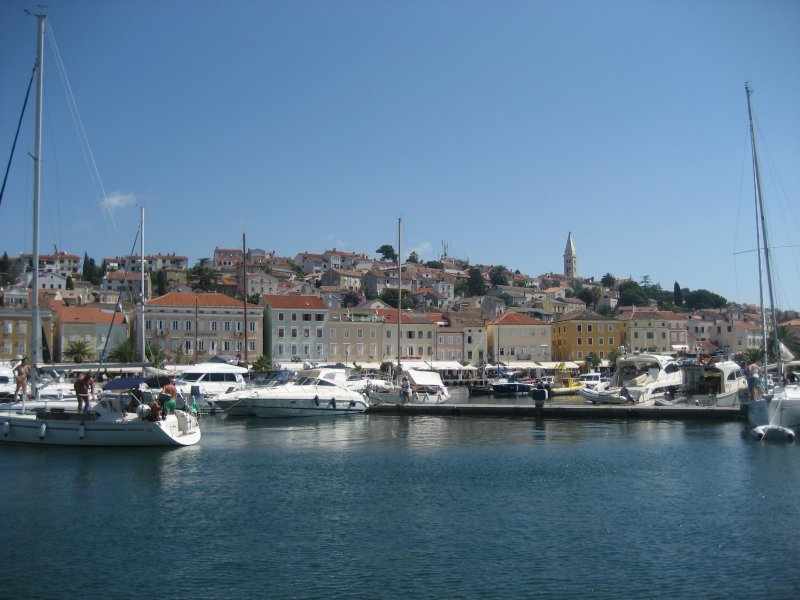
(316,400)
(42,431)
(352,403)
(332,403)
(81,430)
(6,428)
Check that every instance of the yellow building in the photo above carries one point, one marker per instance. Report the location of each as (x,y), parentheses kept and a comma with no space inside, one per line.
(513,337)
(576,335)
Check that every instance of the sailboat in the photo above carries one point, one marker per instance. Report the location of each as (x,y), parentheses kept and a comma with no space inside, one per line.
(427,387)
(107,422)
(774,417)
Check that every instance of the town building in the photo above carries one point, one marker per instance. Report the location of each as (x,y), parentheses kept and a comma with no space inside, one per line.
(295,328)
(576,335)
(200,326)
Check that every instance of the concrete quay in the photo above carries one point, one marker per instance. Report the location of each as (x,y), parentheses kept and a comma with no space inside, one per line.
(567,411)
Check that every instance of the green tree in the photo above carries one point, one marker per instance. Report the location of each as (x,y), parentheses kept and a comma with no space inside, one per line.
(78,351)
(161,282)
(592,360)
(351,299)
(413,257)
(476,284)
(435,264)
(202,276)
(70,283)
(389,296)
(632,294)
(155,353)
(125,352)
(387,252)
(91,272)
(7,277)
(263,363)
(590,295)
(498,275)
(677,295)
(613,356)
(608,280)
(703,299)
(789,339)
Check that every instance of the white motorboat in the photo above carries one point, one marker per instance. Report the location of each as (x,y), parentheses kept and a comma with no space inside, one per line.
(206,381)
(707,382)
(304,396)
(639,378)
(232,402)
(593,379)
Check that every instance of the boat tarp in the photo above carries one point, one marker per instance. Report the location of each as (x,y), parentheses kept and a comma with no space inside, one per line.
(424,377)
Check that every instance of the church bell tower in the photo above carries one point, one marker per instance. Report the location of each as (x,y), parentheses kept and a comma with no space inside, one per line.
(570,258)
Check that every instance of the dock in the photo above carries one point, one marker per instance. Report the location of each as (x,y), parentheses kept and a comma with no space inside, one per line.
(567,411)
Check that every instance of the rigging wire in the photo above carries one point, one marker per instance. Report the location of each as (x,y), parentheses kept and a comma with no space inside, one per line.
(80,130)
(16,135)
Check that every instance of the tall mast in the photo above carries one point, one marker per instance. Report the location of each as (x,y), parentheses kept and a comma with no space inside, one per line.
(143,300)
(244,292)
(399,286)
(36,327)
(760,215)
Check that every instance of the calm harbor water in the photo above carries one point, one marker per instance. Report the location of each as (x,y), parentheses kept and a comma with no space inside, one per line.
(398,506)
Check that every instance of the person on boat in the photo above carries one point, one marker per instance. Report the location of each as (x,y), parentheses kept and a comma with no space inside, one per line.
(155,411)
(168,396)
(21,373)
(405,386)
(84,389)
(753,379)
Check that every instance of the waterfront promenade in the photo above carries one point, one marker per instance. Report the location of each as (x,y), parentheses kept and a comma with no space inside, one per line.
(567,411)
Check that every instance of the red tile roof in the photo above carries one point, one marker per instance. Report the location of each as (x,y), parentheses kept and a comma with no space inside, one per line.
(198,299)
(89,314)
(298,302)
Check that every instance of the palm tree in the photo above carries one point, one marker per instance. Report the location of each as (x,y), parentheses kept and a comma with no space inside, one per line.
(262,363)
(154,353)
(78,351)
(125,352)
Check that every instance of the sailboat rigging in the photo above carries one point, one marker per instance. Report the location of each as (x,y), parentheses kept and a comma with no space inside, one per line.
(773,417)
(110,421)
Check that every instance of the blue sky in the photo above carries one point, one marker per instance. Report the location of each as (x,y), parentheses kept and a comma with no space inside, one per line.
(494,127)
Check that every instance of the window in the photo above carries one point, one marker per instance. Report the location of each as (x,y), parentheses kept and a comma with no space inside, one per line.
(214,326)
(332,334)
(359,333)
(589,328)
(147,325)
(187,325)
(306,316)
(226,325)
(201,346)
(280,316)
(294,318)
(175,325)
(332,349)
(373,333)
(281,332)
(294,332)
(226,346)
(588,341)
(319,317)
(280,349)
(251,326)
(319,332)
(580,341)
(580,328)
(306,332)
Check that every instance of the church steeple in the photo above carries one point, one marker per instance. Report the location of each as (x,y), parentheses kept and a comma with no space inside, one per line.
(570,258)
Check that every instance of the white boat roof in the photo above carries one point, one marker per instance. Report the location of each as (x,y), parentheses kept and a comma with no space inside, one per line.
(211,367)
(424,377)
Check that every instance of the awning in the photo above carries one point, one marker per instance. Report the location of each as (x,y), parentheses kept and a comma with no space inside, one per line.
(555,365)
(680,348)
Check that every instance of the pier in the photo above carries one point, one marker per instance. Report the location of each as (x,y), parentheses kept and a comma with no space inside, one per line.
(567,411)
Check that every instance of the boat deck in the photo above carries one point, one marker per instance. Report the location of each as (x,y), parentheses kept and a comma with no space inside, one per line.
(572,411)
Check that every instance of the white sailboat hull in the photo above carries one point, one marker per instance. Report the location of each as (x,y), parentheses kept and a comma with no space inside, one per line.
(179,429)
